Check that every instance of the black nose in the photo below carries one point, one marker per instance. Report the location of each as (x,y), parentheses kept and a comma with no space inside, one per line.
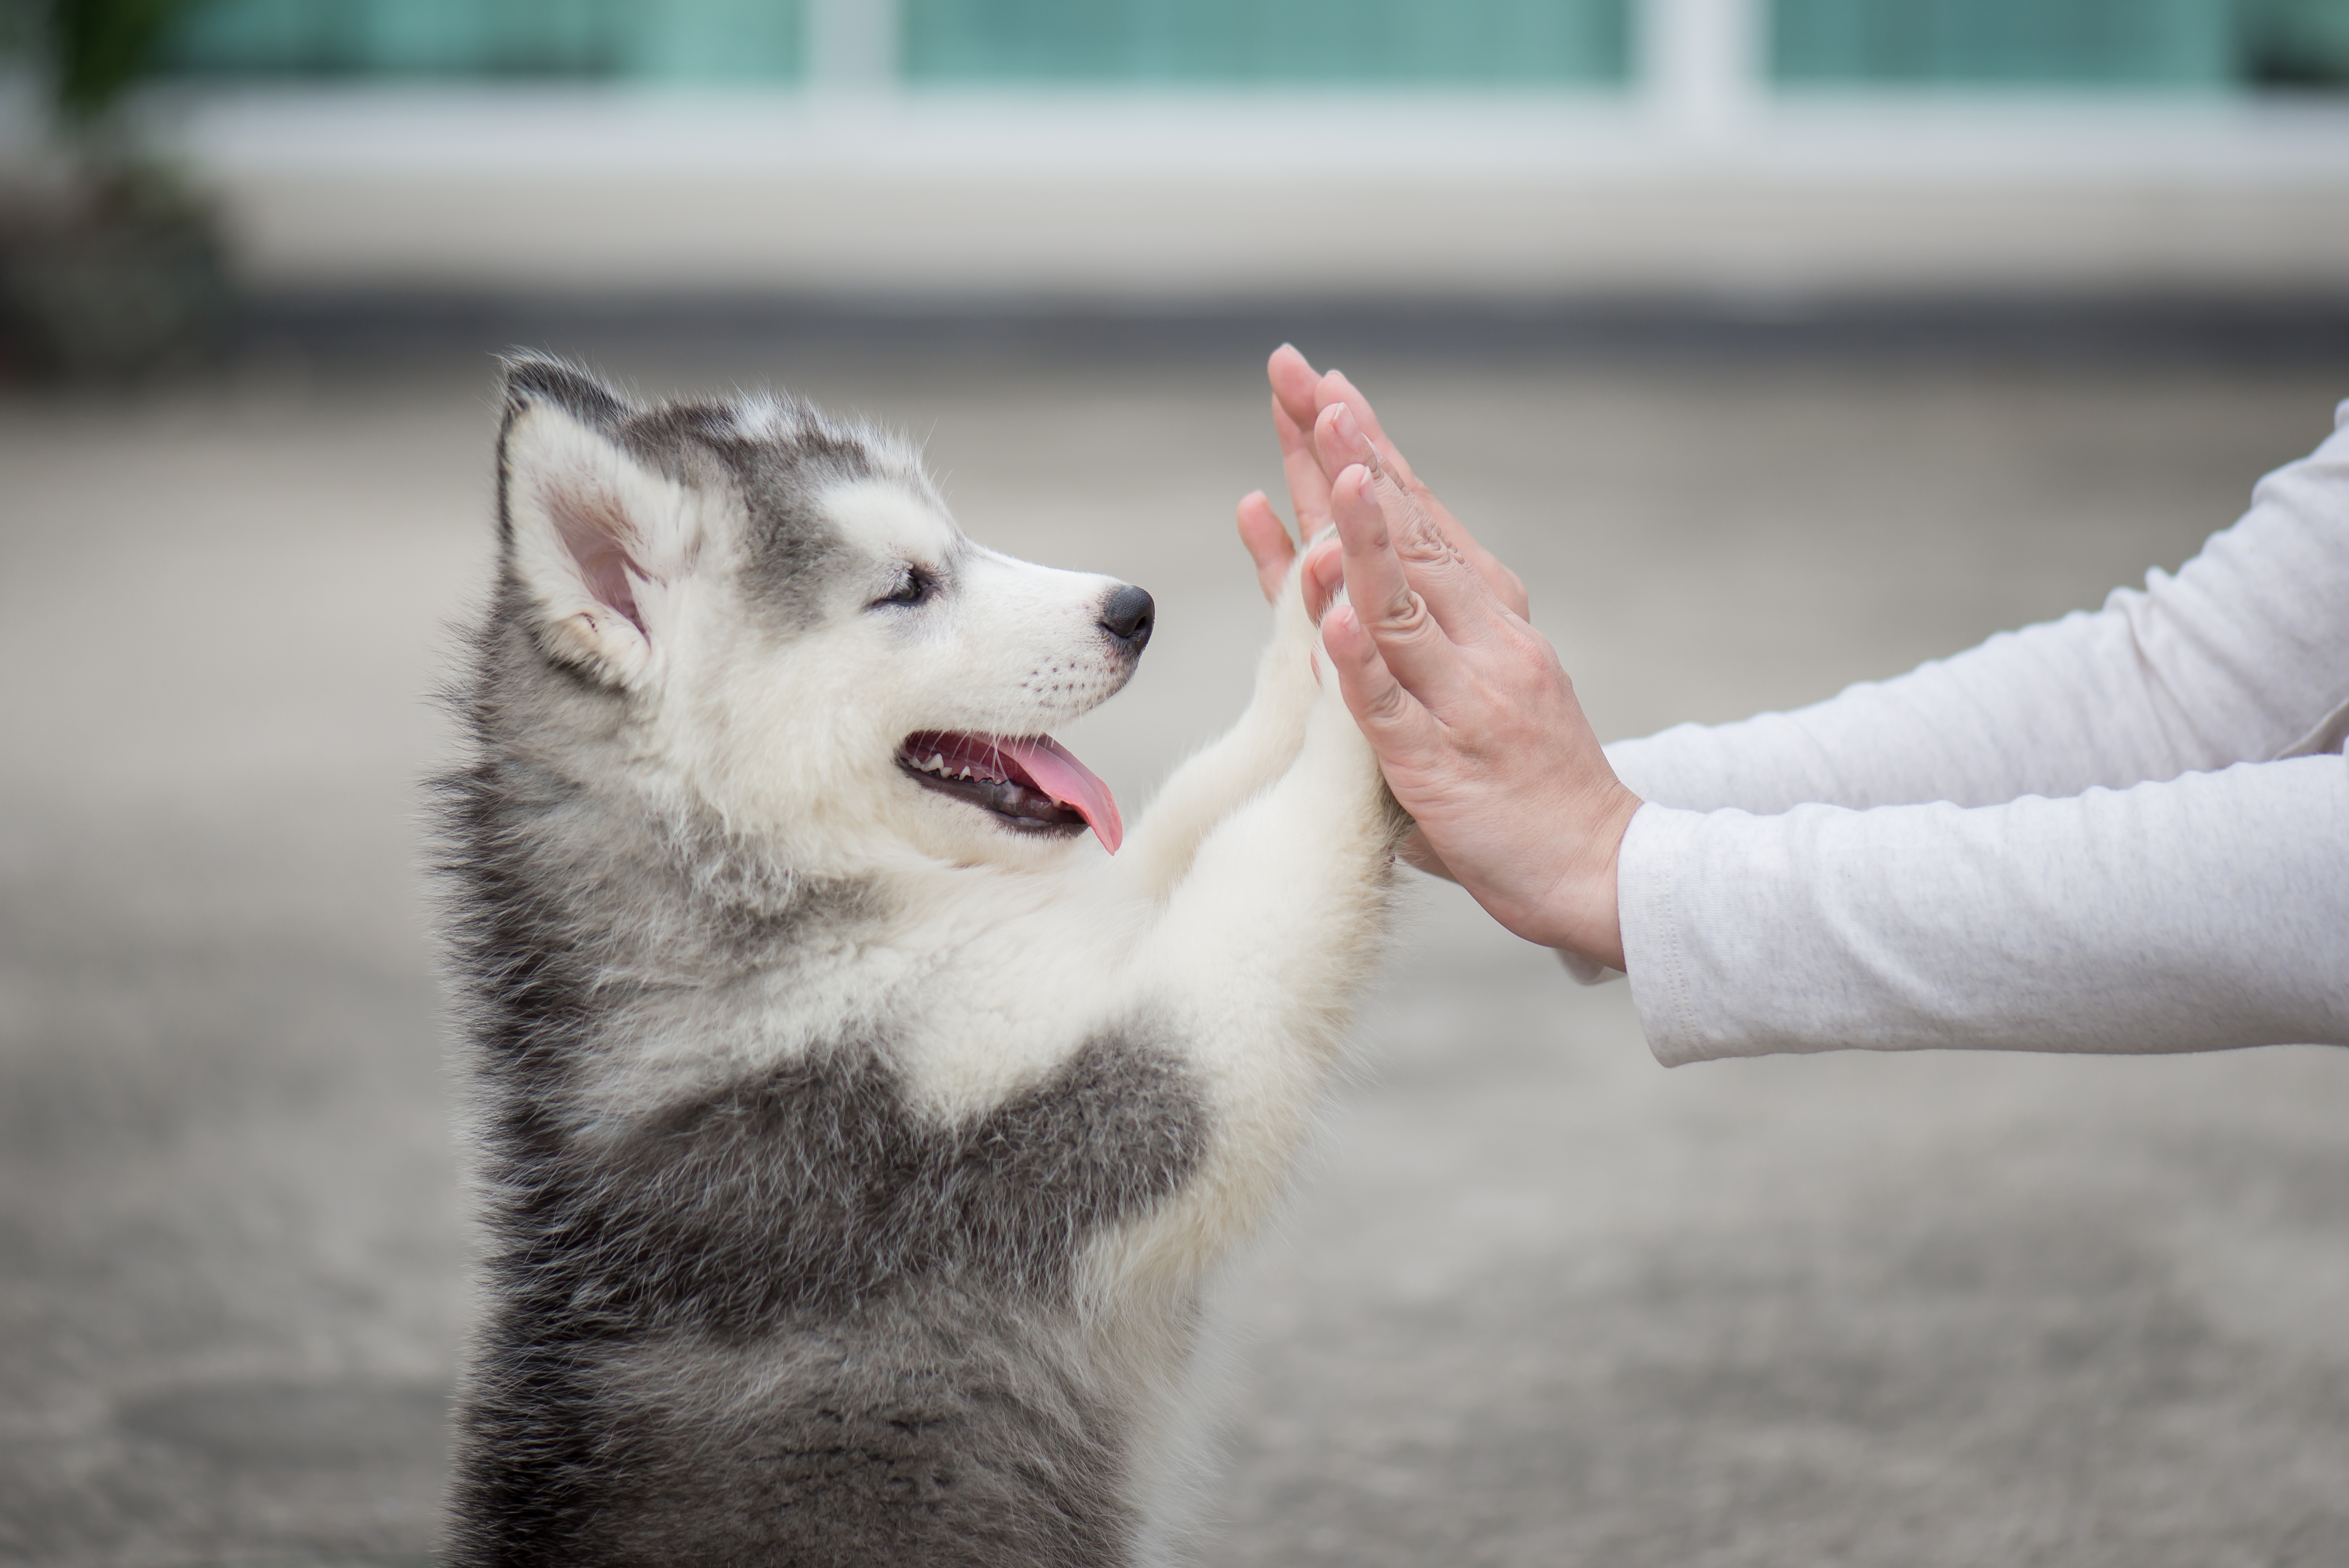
(1126,615)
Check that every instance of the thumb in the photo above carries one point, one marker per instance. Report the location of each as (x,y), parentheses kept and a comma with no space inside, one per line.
(1267,541)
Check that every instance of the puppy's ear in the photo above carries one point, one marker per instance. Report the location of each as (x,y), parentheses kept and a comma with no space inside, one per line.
(597,541)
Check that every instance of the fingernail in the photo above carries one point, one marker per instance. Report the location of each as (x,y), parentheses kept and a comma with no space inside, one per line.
(1346,428)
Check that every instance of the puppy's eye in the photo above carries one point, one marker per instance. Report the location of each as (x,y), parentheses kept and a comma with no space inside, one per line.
(913,586)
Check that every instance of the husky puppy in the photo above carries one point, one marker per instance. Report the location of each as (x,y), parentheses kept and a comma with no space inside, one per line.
(855,1137)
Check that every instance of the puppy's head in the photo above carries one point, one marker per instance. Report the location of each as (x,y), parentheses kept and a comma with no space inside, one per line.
(754,610)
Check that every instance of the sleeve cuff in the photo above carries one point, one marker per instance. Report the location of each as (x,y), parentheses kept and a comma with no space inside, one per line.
(1657,842)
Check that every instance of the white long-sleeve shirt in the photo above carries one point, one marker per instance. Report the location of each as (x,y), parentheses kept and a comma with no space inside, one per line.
(2125,831)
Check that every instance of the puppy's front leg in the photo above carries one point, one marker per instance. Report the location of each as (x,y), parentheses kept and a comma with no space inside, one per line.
(1258,956)
(1248,757)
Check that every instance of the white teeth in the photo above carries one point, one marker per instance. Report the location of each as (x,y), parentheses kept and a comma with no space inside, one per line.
(938,765)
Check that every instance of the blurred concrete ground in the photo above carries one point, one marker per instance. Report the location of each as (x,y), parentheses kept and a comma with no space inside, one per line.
(1539,1302)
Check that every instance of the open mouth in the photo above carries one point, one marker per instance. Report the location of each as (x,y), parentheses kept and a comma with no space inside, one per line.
(1029,781)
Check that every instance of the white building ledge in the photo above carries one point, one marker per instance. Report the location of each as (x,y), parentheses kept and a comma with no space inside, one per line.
(1201,197)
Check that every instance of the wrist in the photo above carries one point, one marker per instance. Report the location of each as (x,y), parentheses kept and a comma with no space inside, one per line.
(1584,911)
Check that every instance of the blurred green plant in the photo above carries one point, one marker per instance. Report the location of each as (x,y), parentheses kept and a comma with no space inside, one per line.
(100,49)
(87,54)
(2296,43)
(111,266)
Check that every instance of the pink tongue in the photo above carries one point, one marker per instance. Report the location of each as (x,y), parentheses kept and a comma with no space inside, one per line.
(1069,781)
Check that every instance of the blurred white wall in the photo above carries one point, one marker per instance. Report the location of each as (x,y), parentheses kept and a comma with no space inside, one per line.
(1697,180)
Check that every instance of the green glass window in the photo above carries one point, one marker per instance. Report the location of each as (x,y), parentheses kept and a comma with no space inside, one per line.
(756,40)
(2151,43)
(1532,42)
(2184,44)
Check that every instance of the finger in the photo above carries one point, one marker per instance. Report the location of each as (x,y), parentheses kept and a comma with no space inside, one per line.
(1454,591)
(1410,639)
(1396,724)
(1293,380)
(1505,584)
(1308,487)
(1267,541)
(1339,440)
(1334,390)
(1324,575)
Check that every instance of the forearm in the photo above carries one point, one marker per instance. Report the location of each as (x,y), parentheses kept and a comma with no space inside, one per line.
(2208,912)
(2234,659)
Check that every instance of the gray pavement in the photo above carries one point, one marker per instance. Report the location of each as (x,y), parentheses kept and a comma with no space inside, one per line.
(1538,1302)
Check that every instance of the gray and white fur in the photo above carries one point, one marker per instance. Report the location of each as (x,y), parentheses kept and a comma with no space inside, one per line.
(853,1149)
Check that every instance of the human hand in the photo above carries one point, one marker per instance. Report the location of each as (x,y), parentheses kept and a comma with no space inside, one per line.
(1309,460)
(1313,451)
(1473,719)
